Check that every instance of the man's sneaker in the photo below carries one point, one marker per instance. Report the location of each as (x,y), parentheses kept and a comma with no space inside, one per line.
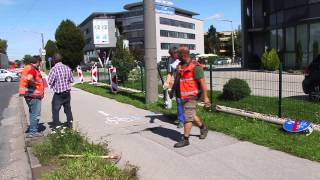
(176,121)
(70,124)
(180,125)
(34,135)
(184,142)
(203,132)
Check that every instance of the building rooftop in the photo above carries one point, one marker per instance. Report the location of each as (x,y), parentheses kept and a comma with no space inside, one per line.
(132,6)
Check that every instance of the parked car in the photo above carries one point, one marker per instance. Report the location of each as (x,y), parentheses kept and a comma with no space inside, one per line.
(8,76)
(223,60)
(311,82)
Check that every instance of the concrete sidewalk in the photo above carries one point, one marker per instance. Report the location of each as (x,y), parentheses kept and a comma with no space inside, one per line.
(146,140)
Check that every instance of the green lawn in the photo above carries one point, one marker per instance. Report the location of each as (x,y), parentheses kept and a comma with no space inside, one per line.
(292,108)
(88,167)
(247,129)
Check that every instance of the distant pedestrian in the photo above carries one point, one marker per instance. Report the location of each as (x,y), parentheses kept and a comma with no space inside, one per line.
(172,70)
(31,86)
(190,85)
(60,79)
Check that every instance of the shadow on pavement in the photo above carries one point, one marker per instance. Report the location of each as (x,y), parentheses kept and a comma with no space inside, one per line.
(41,128)
(165,132)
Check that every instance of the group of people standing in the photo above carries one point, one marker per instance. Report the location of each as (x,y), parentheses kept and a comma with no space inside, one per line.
(186,80)
(32,86)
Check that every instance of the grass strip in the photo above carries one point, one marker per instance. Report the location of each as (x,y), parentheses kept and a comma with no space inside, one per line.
(87,167)
(246,129)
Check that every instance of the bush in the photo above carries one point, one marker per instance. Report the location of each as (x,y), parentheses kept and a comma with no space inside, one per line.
(270,60)
(235,89)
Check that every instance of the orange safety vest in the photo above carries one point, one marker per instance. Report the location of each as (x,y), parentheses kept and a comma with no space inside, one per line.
(25,89)
(189,86)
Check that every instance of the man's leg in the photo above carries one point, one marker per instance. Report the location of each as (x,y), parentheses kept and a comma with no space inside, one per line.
(67,109)
(56,105)
(202,126)
(35,107)
(180,113)
(189,108)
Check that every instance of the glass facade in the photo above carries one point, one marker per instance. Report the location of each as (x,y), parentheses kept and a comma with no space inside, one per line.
(174,34)
(176,23)
(314,43)
(165,46)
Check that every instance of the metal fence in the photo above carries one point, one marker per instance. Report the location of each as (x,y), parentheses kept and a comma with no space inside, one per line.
(277,93)
(274,93)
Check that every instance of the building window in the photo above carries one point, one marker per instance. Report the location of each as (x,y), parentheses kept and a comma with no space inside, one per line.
(314,40)
(87,31)
(165,46)
(273,39)
(302,38)
(290,48)
(173,34)
(176,23)
(280,40)
(290,42)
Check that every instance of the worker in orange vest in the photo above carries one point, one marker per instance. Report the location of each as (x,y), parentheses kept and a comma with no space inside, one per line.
(190,85)
(31,86)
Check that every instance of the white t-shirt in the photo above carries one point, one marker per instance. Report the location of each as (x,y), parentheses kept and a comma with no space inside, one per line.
(173,65)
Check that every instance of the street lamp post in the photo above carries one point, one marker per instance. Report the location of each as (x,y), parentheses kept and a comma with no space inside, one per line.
(43,67)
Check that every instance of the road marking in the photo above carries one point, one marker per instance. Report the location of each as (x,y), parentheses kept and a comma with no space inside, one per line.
(116,120)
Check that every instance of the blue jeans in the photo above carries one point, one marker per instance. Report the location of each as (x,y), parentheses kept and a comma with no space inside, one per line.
(180,111)
(34,113)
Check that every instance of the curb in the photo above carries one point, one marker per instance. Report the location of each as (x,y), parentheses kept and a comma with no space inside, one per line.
(32,160)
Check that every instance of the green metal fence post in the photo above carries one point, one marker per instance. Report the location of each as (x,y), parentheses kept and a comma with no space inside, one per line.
(211,93)
(280,91)
(141,76)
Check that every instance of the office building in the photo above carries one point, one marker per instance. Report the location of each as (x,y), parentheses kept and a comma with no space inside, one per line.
(175,27)
(282,25)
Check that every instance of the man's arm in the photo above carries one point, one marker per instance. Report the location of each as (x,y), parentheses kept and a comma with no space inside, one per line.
(167,83)
(51,77)
(204,90)
(30,77)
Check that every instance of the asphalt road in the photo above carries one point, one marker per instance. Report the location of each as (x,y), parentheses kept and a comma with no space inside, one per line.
(13,160)
(7,90)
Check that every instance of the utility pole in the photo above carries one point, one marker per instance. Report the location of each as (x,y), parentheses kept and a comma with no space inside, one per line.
(43,56)
(150,57)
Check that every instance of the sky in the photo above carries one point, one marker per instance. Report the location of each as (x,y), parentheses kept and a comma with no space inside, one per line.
(23,21)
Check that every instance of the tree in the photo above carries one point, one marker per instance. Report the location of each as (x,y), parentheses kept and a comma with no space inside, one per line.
(51,49)
(18,63)
(237,42)
(270,60)
(123,60)
(27,59)
(3,46)
(70,43)
(211,41)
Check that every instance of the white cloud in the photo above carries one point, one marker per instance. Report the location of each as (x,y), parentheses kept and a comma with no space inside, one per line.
(215,17)
(7,2)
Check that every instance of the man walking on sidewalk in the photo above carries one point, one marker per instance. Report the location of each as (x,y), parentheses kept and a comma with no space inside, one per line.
(190,85)
(60,79)
(172,71)
(32,88)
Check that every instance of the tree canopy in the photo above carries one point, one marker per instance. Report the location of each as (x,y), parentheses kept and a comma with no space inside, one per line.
(123,60)
(211,41)
(3,46)
(51,49)
(70,43)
